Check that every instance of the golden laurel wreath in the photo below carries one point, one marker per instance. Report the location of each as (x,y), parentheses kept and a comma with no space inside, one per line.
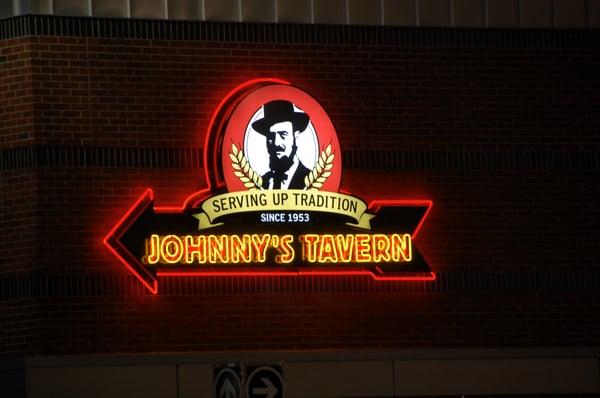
(319,174)
(242,169)
(251,180)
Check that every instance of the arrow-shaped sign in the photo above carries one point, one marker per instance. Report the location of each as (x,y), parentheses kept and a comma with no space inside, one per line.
(127,240)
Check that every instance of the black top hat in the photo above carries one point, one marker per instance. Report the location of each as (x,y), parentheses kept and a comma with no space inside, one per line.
(280,111)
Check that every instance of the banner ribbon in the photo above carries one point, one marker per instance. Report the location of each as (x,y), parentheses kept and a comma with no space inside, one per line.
(283,200)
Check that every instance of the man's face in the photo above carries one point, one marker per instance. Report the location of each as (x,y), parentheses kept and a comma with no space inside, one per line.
(280,140)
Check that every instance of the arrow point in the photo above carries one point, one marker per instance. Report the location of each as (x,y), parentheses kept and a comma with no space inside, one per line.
(112,241)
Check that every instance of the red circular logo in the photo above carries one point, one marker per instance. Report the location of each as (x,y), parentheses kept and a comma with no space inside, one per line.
(279,137)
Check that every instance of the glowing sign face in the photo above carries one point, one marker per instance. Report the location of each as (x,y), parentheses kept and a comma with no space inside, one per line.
(273,207)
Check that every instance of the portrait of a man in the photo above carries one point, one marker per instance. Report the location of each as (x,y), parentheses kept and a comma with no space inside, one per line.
(282,125)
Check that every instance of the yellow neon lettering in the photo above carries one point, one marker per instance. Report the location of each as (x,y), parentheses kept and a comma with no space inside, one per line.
(195,246)
(218,251)
(327,249)
(402,247)
(381,248)
(253,248)
(286,250)
(241,249)
(171,249)
(260,244)
(309,247)
(345,244)
(152,250)
(362,248)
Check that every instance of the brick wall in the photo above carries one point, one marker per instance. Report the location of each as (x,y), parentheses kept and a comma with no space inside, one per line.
(498,128)
(19,209)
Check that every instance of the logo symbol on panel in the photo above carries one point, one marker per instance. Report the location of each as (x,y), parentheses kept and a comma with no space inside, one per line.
(279,137)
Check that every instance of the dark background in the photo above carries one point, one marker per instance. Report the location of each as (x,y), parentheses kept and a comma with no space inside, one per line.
(500,128)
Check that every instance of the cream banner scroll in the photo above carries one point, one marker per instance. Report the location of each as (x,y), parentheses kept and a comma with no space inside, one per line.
(283,200)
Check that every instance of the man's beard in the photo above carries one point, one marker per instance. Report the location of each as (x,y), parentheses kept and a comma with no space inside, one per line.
(281,165)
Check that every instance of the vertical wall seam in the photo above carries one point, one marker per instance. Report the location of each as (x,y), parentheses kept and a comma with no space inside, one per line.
(417,4)
(347,12)
(177,379)
(394,392)
(486,18)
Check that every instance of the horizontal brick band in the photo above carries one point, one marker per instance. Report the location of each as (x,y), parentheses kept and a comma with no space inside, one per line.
(511,283)
(118,28)
(404,159)
(69,156)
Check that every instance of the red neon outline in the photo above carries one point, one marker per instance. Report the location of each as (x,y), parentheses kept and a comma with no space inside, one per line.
(377,204)
(197,273)
(187,204)
(111,240)
(218,109)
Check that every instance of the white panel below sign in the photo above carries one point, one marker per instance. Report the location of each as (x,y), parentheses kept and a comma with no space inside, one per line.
(157,381)
(497,376)
(339,379)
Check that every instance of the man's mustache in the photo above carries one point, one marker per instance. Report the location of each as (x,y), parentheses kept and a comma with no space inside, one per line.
(275,148)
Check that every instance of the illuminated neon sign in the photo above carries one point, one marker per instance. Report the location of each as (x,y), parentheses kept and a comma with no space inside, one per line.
(273,206)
